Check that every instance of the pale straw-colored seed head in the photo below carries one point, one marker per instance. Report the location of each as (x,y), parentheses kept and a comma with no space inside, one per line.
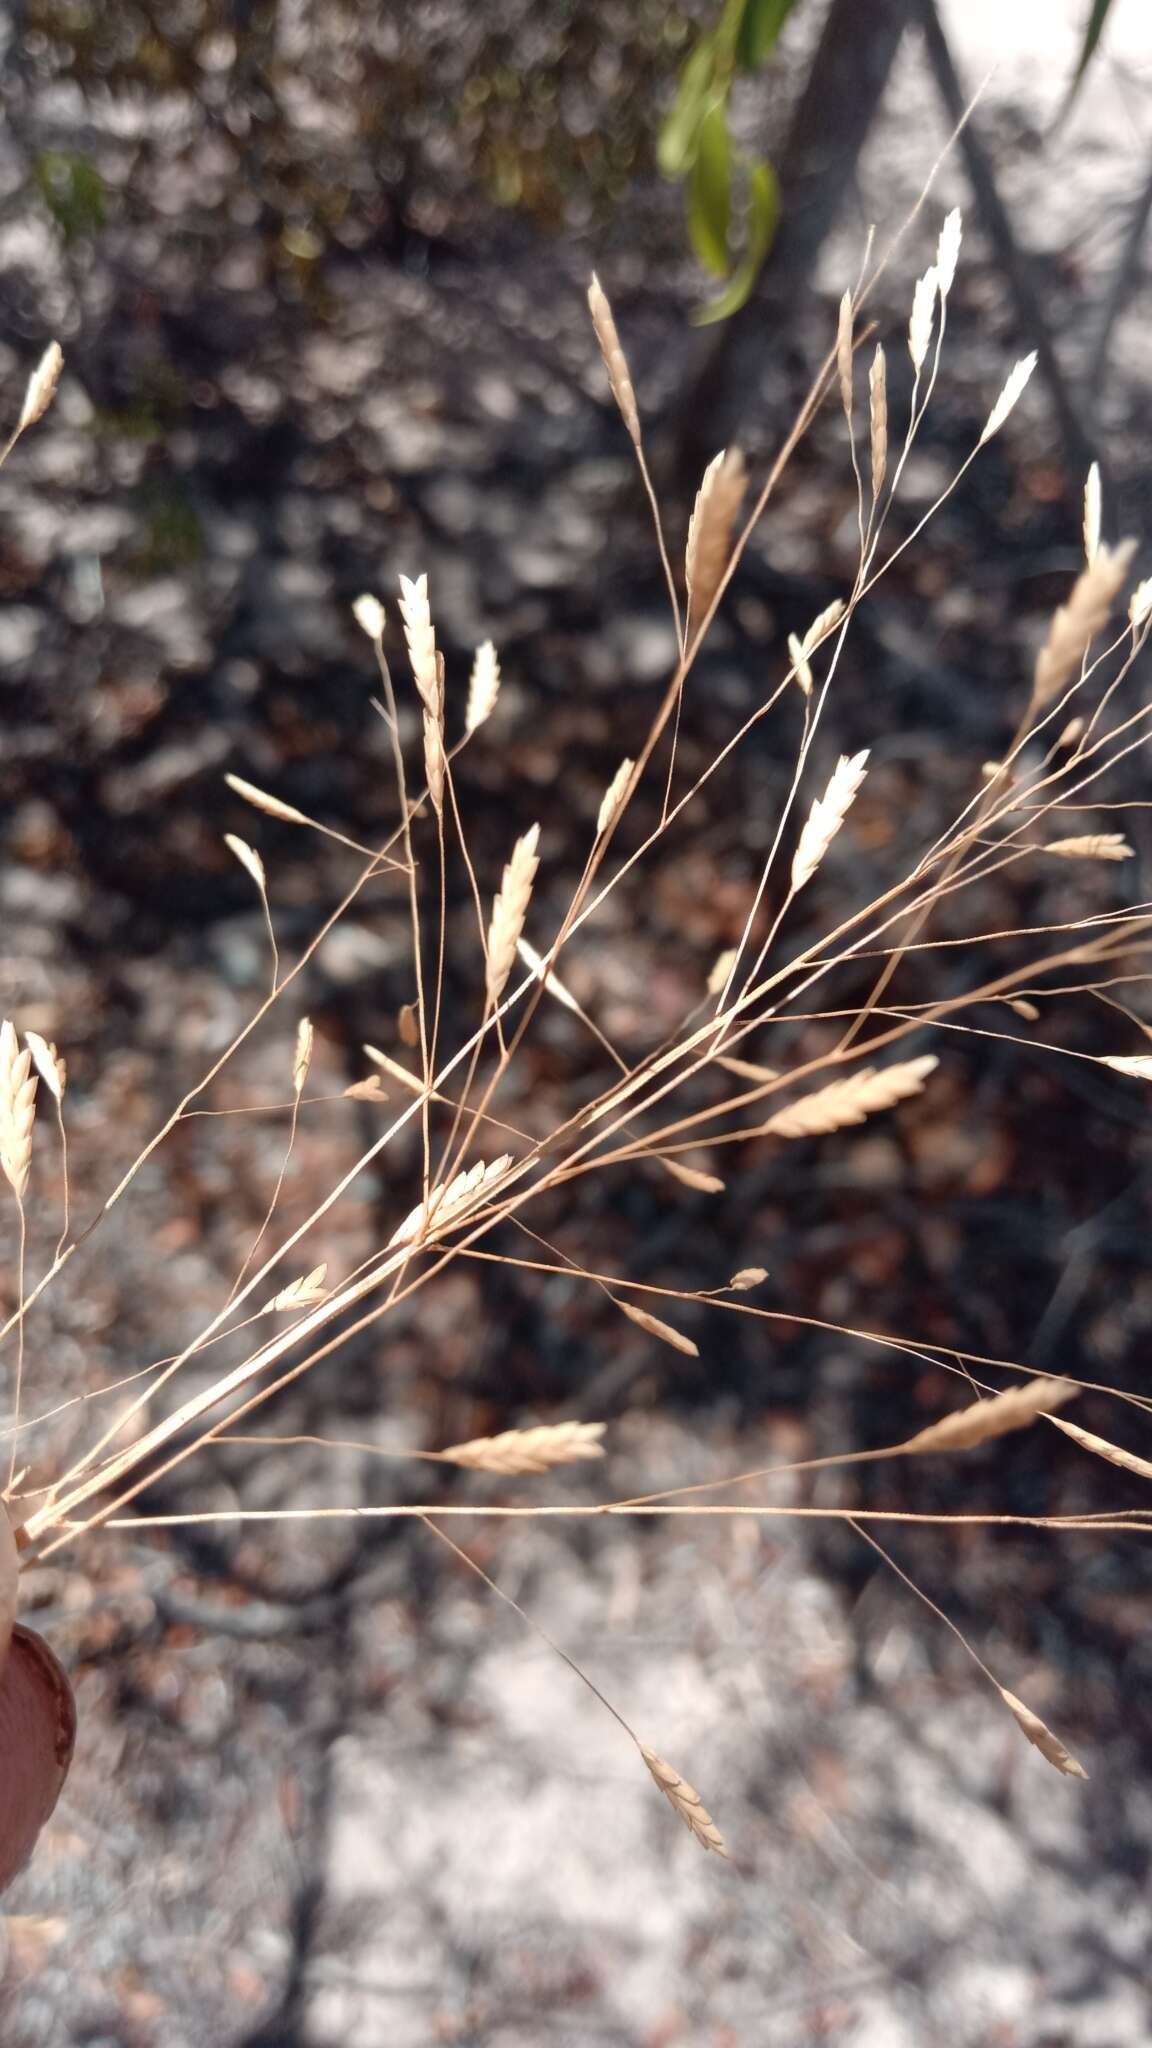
(306,1292)
(302,1056)
(1140,604)
(247,857)
(709,548)
(371,1090)
(878,419)
(1073,731)
(483,686)
(530,1450)
(261,801)
(721,969)
(613,797)
(827,816)
(1093,512)
(408,1024)
(844,355)
(850,1100)
(746,1070)
(982,1421)
(421,639)
(555,987)
(948,250)
(684,1799)
(368,613)
(1075,624)
(692,1177)
(434,760)
(1021,1007)
(41,386)
(614,359)
(17,1110)
(1041,1736)
(52,1069)
(801,664)
(1091,846)
(747,1277)
(451,1201)
(1009,397)
(656,1327)
(923,317)
(509,910)
(1137,1064)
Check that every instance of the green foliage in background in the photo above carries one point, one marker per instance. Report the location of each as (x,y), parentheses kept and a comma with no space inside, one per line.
(696,148)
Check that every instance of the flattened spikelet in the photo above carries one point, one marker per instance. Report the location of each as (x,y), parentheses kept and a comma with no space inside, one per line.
(302,1057)
(923,317)
(849,1101)
(691,1177)
(368,613)
(509,911)
(371,1090)
(1138,1064)
(878,419)
(552,982)
(746,1070)
(247,857)
(948,250)
(261,801)
(709,548)
(52,1069)
(1015,1408)
(748,1276)
(614,358)
(827,815)
(1092,846)
(306,1292)
(1017,379)
(17,1110)
(451,1201)
(818,631)
(1075,624)
(613,797)
(483,686)
(684,1799)
(656,1328)
(1140,603)
(1041,1736)
(844,355)
(41,386)
(530,1450)
(1127,1460)
(721,968)
(1093,510)
(421,639)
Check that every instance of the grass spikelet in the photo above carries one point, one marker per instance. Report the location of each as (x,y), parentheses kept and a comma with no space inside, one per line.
(684,1799)
(509,910)
(302,1056)
(393,1067)
(709,547)
(614,359)
(1138,1064)
(656,1328)
(247,857)
(827,815)
(450,1201)
(923,317)
(1114,1453)
(878,419)
(17,1109)
(1041,1736)
(261,801)
(691,1177)
(552,982)
(1092,514)
(746,1278)
(483,686)
(1075,624)
(1021,1007)
(948,250)
(613,797)
(1092,846)
(529,1450)
(1015,1408)
(1140,604)
(721,968)
(421,638)
(53,1070)
(1009,398)
(408,1025)
(844,355)
(371,1090)
(746,1070)
(41,386)
(306,1292)
(801,650)
(368,613)
(849,1101)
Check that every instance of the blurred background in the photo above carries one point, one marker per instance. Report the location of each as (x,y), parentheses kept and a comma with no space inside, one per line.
(318,270)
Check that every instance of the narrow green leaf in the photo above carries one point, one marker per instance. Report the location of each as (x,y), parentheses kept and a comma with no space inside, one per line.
(763,215)
(760,30)
(676,147)
(710,191)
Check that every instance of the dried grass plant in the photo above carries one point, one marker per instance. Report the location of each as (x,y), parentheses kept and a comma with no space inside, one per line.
(707,1089)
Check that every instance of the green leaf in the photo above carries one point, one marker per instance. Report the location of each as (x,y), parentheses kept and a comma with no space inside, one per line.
(676,147)
(710,191)
(763,214)
(760,30)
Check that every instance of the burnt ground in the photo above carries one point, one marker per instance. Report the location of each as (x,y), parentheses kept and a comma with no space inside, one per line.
(328,1790)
